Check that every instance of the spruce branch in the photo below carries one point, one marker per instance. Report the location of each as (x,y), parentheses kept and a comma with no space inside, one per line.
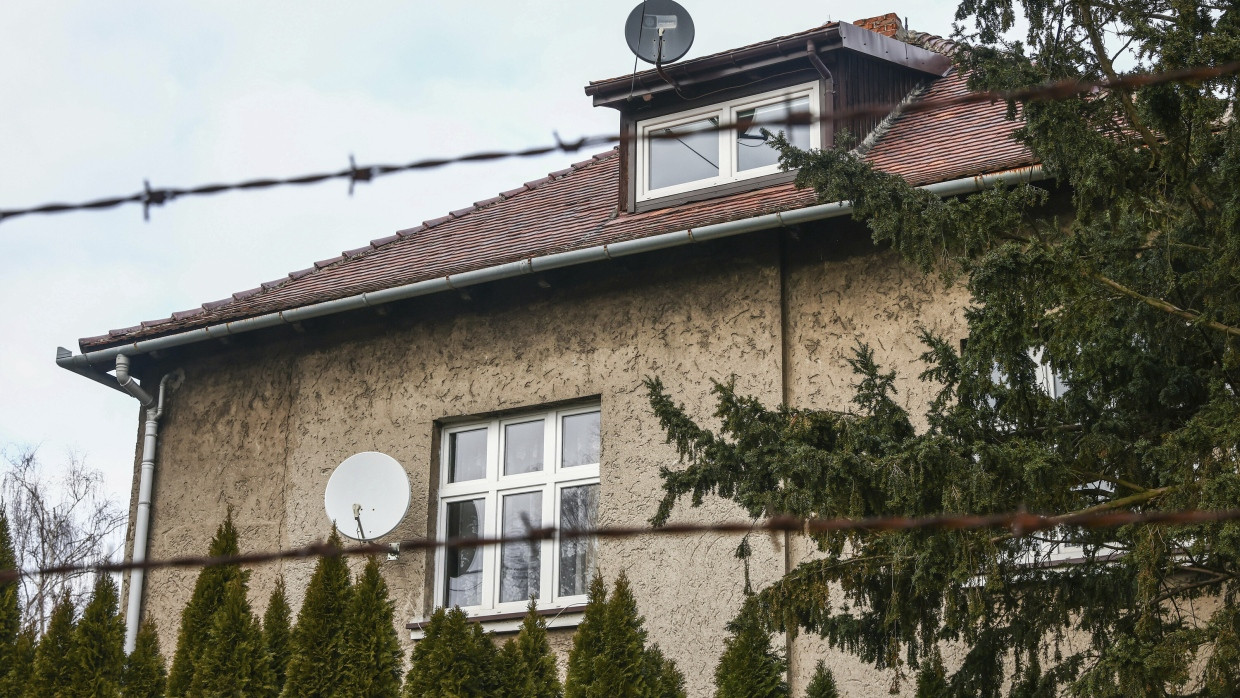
(1191,316)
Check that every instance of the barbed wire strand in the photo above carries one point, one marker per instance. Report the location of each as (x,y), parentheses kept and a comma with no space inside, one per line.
(1063,89)
(1019,523)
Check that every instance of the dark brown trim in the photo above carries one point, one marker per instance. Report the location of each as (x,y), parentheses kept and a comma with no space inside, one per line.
(510,615)
(707,193)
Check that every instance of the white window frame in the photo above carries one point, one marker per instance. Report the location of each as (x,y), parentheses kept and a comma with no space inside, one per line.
(550,481)
(726,113)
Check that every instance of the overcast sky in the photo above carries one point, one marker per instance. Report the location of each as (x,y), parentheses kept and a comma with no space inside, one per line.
(95,97)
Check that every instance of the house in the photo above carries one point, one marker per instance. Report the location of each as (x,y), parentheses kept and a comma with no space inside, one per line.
(497,353)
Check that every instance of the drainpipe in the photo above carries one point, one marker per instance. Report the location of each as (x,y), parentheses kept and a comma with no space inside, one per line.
(142,522)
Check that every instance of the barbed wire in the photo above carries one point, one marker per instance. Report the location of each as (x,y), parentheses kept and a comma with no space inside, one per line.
(1018,523)
(1062,89)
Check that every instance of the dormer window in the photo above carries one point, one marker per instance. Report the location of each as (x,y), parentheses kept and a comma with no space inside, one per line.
(684,151)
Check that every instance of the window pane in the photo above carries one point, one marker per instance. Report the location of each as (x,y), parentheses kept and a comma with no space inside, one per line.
(523,448)
(520,562)
(467,455)
(463,568)
(578,511)
(581,439)
(687,153)
(752,150)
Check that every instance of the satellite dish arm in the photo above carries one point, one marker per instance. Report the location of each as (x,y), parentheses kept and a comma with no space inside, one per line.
(658,67)
(357,516)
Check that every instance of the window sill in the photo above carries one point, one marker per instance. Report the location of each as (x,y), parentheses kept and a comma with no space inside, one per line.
(510,621)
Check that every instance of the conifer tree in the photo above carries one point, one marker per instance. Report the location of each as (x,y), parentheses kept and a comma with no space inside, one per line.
(97,652)
(620,665)
(198,615)
(145,673)
(822,683)
(10,608)
(662,676)
(53,675)
(932,678)
(21,666)
(454,659)
(527,663)
(373,658)
(234,660)
(749,667)
(277,631)
(1122,273)
(609,655)
(316,665)
(587,641)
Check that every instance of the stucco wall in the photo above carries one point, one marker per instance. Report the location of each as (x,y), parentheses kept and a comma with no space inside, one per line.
(260,424)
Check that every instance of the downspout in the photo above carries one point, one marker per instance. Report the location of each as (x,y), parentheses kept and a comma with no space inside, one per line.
(146,480)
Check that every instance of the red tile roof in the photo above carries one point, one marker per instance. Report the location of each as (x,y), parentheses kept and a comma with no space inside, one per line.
(576,208)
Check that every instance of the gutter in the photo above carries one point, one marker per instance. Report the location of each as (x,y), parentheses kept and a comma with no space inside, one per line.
(95,364)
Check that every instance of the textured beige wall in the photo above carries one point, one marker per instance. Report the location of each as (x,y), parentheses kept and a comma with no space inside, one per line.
(260,426)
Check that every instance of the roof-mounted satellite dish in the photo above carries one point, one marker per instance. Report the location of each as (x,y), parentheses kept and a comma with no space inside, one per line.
(367,495)
(659,31)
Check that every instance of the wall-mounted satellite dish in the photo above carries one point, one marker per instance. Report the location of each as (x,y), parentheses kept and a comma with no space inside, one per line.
(367,495)
(659,31)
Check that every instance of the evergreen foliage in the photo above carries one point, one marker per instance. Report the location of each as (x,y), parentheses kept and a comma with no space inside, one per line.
(198,616)
(822,683)
(609,656)
(587,641)
(277,631)
(620,666)
(932,678)
(97,651)
(1124,274)
(145,673)
(234,661)
(662,677)
(10,607)
(20,668)
(454,659)
(527,664)
(749,667)
(53,674)
(316,666)
(373,658)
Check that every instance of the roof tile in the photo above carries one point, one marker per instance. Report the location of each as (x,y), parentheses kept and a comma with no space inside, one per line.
(184,314)
(384,241)
(328,262)
(356,251)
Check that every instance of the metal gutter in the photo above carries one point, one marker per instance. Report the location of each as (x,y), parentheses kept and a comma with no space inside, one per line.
(96,364)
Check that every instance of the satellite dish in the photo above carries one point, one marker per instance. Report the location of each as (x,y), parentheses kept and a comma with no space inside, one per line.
(659,31)
(367,495)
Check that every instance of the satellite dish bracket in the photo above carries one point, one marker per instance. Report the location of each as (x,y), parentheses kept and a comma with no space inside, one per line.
(658,67)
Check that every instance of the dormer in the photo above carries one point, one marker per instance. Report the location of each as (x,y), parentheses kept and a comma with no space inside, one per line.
(814,74)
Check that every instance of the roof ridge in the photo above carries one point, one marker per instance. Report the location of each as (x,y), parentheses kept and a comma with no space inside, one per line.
(928,41)
(894,115)
(375,245)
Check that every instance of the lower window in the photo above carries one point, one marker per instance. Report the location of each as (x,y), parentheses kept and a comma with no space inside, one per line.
(505,477)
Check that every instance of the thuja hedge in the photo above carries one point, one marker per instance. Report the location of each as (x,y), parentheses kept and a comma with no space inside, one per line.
(344,643)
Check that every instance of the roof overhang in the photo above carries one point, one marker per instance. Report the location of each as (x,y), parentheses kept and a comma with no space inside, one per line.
(784,51)
(95,365)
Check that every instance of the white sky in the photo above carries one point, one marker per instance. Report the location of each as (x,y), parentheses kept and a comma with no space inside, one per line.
(95,97)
